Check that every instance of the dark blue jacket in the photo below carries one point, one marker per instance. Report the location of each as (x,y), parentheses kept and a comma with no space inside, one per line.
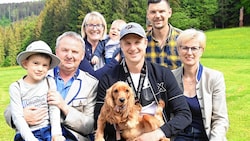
(86,66)
(164,86)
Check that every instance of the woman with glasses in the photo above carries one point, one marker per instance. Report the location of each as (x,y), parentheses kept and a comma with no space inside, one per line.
(93,30)
(204,89)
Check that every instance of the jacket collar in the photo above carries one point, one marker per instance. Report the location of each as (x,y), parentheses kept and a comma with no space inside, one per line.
(198,73)
(57,70)
(150,33)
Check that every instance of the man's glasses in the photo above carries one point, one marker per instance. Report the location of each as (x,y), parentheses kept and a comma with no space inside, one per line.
(92,26)
(187,49)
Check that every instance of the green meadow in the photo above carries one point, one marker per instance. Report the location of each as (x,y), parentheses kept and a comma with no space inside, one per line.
(228,50)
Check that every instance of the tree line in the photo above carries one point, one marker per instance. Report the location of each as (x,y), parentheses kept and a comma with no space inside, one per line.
(12,12)
(58,16)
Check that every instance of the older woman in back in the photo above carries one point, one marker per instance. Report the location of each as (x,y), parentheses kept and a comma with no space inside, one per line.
(93,30)
(204,89)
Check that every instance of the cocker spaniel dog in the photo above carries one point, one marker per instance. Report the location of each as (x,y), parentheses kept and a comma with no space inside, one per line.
(120,109)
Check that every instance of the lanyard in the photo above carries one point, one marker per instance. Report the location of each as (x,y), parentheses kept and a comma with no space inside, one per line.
(141,80)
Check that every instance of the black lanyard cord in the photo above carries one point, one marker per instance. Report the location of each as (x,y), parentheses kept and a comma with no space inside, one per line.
(137,91)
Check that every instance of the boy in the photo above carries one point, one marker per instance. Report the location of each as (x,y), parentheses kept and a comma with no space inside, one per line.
(112,43)
(31,90)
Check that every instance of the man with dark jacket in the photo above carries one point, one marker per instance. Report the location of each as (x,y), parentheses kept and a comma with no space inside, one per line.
(150,83)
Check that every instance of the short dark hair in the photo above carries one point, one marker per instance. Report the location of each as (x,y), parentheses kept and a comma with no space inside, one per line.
(157,1)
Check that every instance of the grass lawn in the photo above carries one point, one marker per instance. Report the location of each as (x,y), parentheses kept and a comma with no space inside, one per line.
(8,75)
(236,73)
(227,51)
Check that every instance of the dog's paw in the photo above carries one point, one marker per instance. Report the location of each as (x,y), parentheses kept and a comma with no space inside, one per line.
(132,123)
(161,103)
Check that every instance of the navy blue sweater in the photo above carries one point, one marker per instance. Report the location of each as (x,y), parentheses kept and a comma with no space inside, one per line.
(164,86)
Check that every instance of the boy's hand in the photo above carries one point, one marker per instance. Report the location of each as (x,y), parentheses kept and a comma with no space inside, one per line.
(94,60)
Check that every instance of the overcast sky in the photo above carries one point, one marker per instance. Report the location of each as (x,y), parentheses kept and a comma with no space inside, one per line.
(15,1)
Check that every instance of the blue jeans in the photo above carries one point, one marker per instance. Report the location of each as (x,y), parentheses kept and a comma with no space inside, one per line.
(44,134)
(191,134)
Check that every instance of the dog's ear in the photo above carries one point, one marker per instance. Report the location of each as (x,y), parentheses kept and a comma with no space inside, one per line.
(131,98)
(109,98)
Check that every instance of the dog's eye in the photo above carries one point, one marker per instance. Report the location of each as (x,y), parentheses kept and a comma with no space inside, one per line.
(115,91)
(127,91)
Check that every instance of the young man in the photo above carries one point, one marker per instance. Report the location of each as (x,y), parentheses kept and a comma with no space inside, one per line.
(162,38)
(150,83)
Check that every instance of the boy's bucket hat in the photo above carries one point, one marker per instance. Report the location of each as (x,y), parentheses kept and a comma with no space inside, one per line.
(38,47)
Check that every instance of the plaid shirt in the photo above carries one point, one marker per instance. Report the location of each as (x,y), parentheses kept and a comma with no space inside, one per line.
(168,55)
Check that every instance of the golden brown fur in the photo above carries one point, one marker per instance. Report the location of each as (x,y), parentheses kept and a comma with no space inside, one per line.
(119,108)
(146,123)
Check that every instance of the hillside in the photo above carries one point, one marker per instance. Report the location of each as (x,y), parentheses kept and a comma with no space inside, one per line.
(12,12)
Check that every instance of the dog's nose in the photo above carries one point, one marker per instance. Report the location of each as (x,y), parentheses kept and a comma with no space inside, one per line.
(122,100)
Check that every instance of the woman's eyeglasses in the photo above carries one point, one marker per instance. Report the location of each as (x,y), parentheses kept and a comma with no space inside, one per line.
(92,26)
(187,49)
